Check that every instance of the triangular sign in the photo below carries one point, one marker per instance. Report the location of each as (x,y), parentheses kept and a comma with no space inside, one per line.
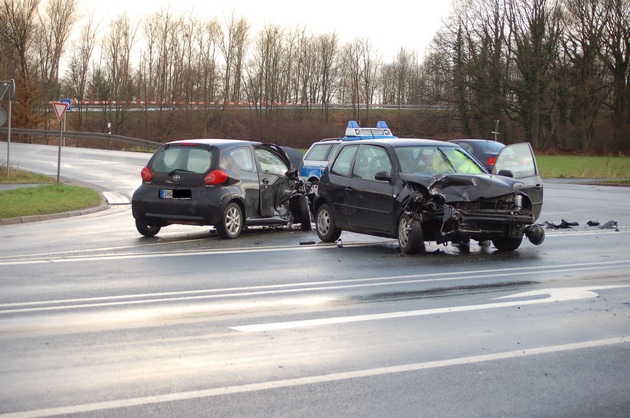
(60,109)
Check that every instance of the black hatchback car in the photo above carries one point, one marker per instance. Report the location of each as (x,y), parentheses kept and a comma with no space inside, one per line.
(228,184)
(422,190)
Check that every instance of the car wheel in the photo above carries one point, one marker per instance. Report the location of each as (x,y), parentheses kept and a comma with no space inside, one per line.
(326,229)
(146,230)
(231,222)
(506,243)
(410,235)
(304,212)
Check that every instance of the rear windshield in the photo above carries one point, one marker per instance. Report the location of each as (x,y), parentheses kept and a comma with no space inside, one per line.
(318,152)
(185,158)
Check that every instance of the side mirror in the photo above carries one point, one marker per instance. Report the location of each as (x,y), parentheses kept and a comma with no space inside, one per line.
(506,173)
(383,176)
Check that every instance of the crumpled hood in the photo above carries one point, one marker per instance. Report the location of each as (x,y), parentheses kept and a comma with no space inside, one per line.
(465,187)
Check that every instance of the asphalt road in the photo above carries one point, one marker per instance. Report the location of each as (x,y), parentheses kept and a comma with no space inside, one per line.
(97,321)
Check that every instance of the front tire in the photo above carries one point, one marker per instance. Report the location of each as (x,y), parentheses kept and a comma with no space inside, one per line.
(304,212)
(410,235)
(326,229)
(507,244)
(231,222)
(146,230)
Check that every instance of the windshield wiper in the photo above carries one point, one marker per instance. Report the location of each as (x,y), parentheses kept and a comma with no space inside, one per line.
(179,170)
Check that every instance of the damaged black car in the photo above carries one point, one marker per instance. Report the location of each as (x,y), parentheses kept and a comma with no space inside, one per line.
(420,190)
(228,184)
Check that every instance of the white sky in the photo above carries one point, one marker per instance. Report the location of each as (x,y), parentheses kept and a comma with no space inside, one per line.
(389,25)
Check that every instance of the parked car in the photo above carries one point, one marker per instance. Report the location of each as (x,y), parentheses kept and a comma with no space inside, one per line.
(423,190)
(228,184)
(317,156)
(484,150)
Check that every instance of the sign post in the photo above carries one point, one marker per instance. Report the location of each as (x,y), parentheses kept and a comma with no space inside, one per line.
(60,111)
(10,87)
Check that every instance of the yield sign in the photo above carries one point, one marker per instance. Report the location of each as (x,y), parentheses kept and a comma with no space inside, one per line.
(60,109)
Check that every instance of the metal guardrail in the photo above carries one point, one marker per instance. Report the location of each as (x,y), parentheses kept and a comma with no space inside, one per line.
(85,135)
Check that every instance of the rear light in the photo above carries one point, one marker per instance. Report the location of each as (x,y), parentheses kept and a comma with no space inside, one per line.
(492,160)
(215,177)
(146,174)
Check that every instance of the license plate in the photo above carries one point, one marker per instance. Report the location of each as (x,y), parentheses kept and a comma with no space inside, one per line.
(175,194)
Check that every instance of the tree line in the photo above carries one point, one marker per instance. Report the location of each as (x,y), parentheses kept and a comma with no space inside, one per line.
(553,72)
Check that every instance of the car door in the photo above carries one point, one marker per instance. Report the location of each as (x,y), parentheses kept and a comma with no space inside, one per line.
(274,185)
(519,161)
(371,200)
(336,180)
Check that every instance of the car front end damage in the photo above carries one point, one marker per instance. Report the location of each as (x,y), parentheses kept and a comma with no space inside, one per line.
(458,208)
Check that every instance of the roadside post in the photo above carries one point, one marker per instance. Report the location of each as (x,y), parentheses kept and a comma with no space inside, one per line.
(8,85)
(60,110)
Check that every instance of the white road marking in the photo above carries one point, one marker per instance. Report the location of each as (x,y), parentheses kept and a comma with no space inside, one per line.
(279,289)
(553,295)
(310,380)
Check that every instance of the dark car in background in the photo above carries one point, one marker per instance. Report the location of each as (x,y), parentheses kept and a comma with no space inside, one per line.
(484,150)
(229,184)
(420,190)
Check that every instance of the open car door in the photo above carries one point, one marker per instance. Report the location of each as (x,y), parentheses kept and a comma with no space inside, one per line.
(275,183)
(518,161)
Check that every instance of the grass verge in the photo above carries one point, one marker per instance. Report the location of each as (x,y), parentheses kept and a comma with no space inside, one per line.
(47,198)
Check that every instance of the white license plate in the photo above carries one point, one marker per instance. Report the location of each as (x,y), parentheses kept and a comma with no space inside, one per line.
(166,194)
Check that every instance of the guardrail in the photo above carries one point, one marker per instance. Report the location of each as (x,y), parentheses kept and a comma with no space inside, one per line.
(85,135)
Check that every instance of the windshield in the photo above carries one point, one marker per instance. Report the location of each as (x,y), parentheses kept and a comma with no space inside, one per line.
(436,160)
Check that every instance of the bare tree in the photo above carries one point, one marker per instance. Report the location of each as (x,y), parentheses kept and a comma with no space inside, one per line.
(117,50)
(233,43)
(18,31)
(265,68)
(79,66)
(53,31)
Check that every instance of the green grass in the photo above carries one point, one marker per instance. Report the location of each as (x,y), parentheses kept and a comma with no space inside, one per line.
(586,167)
(46,199)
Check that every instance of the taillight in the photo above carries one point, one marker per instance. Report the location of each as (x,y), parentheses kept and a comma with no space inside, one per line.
(215,177)
(491,161)
(146,174)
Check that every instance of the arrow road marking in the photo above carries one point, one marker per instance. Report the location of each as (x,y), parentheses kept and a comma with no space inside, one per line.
(552,295)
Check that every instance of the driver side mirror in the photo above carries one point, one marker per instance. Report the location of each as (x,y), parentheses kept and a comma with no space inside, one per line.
(383,176)
(506,173)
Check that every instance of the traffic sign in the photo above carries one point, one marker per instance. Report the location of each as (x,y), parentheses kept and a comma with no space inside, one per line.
(68,101)
(7,85)
(60,109)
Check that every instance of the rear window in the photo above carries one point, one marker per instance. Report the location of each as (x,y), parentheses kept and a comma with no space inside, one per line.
(318,152)
(185,158)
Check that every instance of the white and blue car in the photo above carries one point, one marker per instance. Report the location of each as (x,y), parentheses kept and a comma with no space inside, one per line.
(318,155)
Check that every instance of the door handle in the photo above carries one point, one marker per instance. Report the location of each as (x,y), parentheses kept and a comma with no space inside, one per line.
(265,181)
(349,189)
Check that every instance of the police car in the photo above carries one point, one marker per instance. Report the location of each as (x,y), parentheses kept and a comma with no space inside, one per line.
(318,155)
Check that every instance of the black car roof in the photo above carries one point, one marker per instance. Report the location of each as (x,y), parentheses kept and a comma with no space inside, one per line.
(401,142)
(212,142)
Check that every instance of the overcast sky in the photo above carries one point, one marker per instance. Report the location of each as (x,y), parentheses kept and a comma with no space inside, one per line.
(389,25)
